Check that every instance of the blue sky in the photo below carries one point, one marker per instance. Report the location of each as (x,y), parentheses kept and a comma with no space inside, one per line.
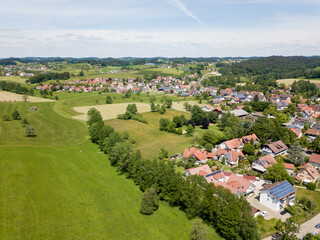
(170,28)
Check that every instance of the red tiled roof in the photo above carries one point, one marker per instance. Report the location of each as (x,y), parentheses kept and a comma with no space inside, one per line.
(248,138)
(220,152)
(233,143)
(315,158)
(189,152)
(196,171)
(250,178)
(200,155)
(314,132)
(267,160)
(288,166)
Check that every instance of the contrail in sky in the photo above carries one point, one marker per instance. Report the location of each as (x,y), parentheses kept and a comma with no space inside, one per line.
(178,4)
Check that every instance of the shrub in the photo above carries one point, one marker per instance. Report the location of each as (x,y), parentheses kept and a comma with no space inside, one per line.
(311,186)
(149,203)
(6,118)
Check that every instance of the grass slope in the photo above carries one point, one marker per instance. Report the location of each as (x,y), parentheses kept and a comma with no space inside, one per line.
(59,186)
(73,193)
(51,128)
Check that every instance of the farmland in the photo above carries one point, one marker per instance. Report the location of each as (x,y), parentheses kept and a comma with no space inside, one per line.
(58,185)
(13,97)
(291,80)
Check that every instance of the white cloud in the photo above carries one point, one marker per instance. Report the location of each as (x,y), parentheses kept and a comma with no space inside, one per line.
(182,7)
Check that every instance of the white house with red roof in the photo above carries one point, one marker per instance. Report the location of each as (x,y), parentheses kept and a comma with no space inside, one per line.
(262,163)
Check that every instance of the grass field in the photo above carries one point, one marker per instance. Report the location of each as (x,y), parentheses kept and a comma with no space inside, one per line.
(290,81)
(148,136)
(73,193)
(14,79)
(59,186)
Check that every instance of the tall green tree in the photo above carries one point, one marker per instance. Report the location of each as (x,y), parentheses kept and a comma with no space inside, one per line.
(288,229)
(295,154)
(16,115)
(109,100)
(163,153)
(315,145)
(277,172)
(149,202)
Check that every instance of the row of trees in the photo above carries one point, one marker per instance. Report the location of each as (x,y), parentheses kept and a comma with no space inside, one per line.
(132,113)
(28,130)
(229,214)
(43,77)
(15,87)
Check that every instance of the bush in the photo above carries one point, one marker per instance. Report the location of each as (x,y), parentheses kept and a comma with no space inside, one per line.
(6,118)
(248,149)
(15,115)
(311,186)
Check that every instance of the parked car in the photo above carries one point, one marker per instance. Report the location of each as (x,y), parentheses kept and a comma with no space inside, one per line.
(283,212)
(317,226)
(264,213)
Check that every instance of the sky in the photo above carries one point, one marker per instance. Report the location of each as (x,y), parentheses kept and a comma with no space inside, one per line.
(153,28)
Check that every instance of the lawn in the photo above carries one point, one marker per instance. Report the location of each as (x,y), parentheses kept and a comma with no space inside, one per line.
(148,136)
(73,193)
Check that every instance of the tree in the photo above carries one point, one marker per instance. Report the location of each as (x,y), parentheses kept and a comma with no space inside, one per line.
(149,202)
(213,117)
(15,115)
(109,100)
(277,172)
(162,109)
(208,147)
(315,145)
(210,137)
(190,130)
(311,186)
(111,141)
(288,229)
(56,98)
(248,149)
(132,109)
(197,114)
(24,122)
(94,116)
(81,74)
(25,98)
(310,236)
(168,102)
(205,123)
(198,231)
(153,107)
(29,131)
(295,154)
(163,153)
(164,122)
(177,121)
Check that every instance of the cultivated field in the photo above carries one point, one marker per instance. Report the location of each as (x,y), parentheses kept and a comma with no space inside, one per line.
(110,111)
(291,80)
(13,97)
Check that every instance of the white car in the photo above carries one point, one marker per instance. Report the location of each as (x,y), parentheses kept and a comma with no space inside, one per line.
(264,213)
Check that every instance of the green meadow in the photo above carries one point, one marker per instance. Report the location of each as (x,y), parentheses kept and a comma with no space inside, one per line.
(58,185)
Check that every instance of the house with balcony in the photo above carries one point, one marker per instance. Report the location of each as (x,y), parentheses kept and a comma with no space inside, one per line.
(278,195)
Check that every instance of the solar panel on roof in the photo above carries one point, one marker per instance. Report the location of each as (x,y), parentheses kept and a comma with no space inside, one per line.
(214,173)
(281,190)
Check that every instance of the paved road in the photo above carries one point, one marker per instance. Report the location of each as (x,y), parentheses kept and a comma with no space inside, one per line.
(307,227)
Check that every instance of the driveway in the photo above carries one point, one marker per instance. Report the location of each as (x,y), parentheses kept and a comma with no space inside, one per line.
(254,201)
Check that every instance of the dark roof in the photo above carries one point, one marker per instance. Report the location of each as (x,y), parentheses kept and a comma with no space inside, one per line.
(277,147)
(280,189)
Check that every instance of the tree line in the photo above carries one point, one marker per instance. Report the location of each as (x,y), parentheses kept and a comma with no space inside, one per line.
(226,212)
(43,77)
(15,87)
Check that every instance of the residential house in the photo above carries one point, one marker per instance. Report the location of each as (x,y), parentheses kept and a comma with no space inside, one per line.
(312,133)
(277,196)
(215,176)
(247,139)
(200,171)
(280,106)
(188,152)
(297,131)
(232,157)
(216,101)
(239,113)
(262,163)
(241,184)
(307,173)
(232,144)
(289,168)
(315,160)
(207,108)
(275,148)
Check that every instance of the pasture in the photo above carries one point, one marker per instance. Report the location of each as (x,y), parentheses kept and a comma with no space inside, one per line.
(110,111)
(148,136)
